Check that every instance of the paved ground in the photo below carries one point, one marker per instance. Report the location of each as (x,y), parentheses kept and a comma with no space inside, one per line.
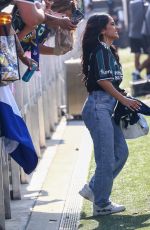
(51,201)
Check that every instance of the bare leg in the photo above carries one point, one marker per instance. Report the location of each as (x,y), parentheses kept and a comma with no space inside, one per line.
(146,65)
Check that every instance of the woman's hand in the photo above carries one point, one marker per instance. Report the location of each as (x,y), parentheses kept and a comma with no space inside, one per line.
(128,102)
(28,61)
(131,103)
(64,22)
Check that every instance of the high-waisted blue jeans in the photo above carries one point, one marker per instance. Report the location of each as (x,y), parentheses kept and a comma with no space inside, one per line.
(110,148)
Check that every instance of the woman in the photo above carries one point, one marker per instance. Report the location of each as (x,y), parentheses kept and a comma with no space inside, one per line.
(103,76)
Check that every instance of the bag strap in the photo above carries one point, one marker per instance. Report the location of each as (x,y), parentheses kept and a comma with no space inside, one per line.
(35,48)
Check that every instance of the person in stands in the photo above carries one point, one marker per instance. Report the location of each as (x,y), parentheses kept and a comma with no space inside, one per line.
(137,12)
(32,14)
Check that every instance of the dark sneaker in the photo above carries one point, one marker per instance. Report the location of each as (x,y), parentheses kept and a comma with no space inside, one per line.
(136,77)
(109,209)
(87,193)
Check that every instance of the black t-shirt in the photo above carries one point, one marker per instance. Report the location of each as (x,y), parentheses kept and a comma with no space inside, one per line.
(103,66)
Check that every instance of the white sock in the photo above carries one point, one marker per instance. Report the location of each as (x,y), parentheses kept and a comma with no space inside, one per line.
(136,71)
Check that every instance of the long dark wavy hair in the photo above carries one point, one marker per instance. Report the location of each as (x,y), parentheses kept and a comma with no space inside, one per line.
(91,38)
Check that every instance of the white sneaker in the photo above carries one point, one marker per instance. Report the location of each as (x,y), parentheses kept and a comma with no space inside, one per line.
(87,193)
(148,77)
(109,209)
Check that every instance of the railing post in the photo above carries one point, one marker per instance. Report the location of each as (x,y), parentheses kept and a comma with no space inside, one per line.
(2,207)
(6,186)
(15,173)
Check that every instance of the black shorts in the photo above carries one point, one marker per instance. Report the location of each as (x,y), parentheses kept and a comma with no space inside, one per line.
(138,45)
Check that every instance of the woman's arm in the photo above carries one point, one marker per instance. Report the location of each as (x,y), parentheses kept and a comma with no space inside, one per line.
(46,50)
(30,13)
(108,87)
(20,52)
(55,21)
(26,30)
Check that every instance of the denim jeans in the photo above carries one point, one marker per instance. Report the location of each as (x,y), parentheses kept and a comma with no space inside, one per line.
(110,148)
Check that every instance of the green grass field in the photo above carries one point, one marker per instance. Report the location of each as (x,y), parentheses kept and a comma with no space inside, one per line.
(132,186)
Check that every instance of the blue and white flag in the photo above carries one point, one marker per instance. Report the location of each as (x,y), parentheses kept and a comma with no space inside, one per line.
(17,140)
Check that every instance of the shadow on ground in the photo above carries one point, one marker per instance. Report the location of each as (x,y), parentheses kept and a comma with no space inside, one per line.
(118,222)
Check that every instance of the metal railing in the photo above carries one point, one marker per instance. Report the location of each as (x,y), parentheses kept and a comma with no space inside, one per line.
(39,101)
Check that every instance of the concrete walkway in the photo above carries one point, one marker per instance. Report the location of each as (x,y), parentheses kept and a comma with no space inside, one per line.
(50,201)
